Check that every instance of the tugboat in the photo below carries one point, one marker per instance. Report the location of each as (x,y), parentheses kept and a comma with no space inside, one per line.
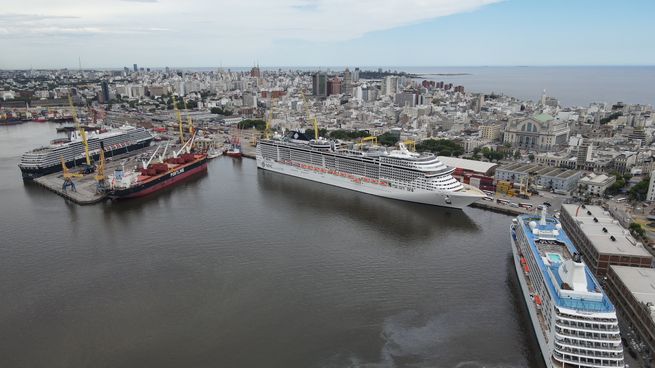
(235,148)
(153,177)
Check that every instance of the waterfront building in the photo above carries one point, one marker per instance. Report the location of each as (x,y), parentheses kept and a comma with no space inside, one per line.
(469,166)
(516,172)
(596,184)
(632,292)
(539,132)
(601,239)
(562,181)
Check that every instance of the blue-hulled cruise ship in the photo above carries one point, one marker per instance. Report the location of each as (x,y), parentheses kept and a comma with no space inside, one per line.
(574,321)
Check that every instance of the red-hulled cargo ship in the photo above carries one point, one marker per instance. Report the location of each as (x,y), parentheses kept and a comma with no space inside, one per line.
(156,176)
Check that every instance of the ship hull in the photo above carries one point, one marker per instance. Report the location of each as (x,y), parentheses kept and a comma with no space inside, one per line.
(30,173)
(546,351)
(450,200)
(171,178)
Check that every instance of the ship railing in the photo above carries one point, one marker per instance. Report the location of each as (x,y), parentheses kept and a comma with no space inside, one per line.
(589,344)
(591,353)
(576,325)
(588,335)
(576,361)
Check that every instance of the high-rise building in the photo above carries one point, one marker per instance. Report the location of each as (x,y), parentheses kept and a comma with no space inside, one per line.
(356,75)
(319,84)
(347,86)
(104,94)
(136,68)
(390,85)
(255,72)
(334,86)
(126,70)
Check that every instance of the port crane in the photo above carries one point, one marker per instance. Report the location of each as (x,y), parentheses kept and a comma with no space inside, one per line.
(315,121)
(179,119)
(68,177)
(411,144)
(101,178)
(190,123)
(88,168)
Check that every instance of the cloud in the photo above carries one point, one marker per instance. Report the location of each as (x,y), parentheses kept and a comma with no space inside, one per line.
(244,27)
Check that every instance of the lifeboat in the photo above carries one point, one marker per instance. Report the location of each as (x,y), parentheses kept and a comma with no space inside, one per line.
(537,299)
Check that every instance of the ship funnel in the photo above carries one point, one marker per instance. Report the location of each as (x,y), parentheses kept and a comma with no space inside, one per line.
(542,221)
(572,272)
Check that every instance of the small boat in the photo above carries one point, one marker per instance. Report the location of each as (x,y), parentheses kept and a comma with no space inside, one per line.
(213,153)
(235,148)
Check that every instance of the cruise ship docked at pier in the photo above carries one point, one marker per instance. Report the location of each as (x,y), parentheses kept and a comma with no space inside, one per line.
(47,160)
(398,174)
(574,321)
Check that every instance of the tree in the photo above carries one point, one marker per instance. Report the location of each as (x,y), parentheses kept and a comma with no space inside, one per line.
(309,132)
(252,123)
(636,229)
(640,190)
(348,134)
(388,139)
(220,111)
(442,147)
(531,157)
(517,154)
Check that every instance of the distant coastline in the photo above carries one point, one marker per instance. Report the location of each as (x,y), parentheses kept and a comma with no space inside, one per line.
(444,74)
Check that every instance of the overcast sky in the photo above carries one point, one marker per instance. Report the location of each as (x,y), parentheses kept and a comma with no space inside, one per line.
(195,33)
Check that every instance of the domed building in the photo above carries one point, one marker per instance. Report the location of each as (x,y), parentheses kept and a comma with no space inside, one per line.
(540,132)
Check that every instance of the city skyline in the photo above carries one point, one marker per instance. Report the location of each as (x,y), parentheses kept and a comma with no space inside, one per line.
(298,33)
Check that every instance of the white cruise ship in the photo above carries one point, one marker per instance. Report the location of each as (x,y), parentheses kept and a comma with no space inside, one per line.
(398,174)
(574,321)
(47,160)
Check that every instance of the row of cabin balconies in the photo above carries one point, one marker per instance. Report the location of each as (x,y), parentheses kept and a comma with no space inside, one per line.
(581,362)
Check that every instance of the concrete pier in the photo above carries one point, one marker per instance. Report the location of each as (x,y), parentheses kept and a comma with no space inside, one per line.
(85,192)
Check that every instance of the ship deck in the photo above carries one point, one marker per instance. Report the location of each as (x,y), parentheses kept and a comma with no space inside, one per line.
(549,253)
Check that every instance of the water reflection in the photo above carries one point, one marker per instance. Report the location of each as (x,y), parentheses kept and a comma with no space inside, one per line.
(396,218)
(530,350)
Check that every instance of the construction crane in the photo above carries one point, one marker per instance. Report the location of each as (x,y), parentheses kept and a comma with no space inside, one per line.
(82,132)
(305,105)
(68,177)
(100,177)
(190,123)
(411,144)
(179,120)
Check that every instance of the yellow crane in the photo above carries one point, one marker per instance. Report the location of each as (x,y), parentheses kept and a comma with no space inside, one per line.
(179,119)
(190,123)
(82,131)
(68,176)
(100,170)
(305,105)
(410,144)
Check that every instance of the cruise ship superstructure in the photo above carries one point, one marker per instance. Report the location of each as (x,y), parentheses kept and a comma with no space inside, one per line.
(574,321)
(46,160)
(398,174)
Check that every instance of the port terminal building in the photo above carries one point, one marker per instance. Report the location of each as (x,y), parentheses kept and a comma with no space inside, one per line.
(601,239)
(632,290)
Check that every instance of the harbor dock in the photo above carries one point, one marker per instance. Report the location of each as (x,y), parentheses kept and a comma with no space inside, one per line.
(86,188)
